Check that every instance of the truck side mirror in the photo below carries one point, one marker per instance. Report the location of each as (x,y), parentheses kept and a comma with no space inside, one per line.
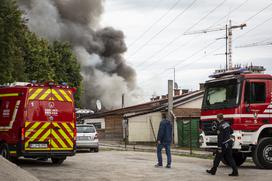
(247,108)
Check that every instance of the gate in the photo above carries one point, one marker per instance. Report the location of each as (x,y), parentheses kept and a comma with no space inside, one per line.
(188,132)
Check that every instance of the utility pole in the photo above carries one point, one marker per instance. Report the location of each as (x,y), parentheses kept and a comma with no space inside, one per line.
(174,69)
(226,47)
(170,97)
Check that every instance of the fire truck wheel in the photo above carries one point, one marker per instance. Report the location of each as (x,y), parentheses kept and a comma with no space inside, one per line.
(5,151)
(58,161)
(256,159)
(263,154)
(239,159)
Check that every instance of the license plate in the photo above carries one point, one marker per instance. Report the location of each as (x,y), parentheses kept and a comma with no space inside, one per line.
(213,140)
(83,138)
(38,145)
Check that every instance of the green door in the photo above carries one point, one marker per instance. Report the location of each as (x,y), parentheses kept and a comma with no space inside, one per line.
(188,129)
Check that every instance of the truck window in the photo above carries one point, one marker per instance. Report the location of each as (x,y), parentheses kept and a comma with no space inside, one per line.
(222,94)
(255,92)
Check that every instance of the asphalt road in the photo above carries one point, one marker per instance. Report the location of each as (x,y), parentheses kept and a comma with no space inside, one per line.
(129,165)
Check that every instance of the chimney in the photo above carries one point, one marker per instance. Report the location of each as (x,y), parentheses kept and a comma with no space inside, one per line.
(201,86)
(164,97)
(176,92)
(184,91)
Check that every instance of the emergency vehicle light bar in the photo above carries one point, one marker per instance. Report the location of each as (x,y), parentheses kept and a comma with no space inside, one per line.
(237,70)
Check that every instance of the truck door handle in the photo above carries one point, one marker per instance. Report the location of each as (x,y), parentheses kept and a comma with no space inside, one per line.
(56,128)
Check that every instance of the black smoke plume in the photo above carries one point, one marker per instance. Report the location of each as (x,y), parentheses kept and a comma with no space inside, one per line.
(106,75)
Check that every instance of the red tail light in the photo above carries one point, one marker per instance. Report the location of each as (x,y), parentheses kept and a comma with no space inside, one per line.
(23,133)
(95,137)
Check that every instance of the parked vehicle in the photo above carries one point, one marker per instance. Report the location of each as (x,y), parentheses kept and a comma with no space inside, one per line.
(245,100)
(87,137)
(37,121)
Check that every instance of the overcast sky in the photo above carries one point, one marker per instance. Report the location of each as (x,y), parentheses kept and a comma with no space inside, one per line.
(154,36)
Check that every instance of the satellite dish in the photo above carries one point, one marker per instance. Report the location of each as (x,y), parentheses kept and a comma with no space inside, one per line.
(98,105)
(175,85)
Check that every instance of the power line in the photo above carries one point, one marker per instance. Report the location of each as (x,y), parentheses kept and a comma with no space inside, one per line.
(154,23)
(270,4)
(233,10)
(201,58)
(196,60)
(248,19)
(181,34)
(183,60)
(195,53)
(164,28)
(204,17)
(255,27)
(160,73)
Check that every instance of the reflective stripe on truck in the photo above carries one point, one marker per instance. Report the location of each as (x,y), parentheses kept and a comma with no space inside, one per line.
(45,94)
(49,136)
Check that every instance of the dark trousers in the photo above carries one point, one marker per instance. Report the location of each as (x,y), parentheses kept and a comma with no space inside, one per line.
(167,150)
(226,153)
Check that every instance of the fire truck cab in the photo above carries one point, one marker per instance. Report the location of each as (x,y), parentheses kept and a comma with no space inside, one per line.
(245,100)
(37,121)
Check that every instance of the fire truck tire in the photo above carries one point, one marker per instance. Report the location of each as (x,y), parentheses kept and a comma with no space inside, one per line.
(256,159)
(5,151)
(58,161)
(263,154)
(239,159)
(96,150)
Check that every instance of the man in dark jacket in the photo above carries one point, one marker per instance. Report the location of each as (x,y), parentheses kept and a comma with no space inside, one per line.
(164,139)
(225,144)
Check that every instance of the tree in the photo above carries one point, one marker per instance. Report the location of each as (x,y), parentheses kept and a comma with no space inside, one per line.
(36,58)
(11,60)
(25,57)
(65,66)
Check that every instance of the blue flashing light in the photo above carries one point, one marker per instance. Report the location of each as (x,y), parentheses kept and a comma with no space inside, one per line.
(51,83)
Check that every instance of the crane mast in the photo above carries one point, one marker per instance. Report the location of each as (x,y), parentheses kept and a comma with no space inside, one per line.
(228,28)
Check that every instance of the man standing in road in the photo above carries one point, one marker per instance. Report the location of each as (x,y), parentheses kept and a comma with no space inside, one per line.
(225,144)
(164,139)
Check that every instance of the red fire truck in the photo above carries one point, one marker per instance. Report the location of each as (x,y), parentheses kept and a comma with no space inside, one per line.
(245,100)
(37,121)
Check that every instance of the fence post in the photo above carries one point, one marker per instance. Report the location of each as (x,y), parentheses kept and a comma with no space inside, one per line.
(190,134)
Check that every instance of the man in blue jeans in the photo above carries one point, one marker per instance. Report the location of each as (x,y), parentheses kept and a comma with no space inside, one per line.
(164,139)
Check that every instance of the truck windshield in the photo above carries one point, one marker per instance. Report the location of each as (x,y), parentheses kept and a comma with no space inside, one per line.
(223,94)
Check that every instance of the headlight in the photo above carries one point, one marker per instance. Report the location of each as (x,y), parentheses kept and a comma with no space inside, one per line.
(201,139)
(232,137)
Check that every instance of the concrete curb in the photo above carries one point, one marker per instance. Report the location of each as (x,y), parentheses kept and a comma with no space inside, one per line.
(11,172)
(145,148)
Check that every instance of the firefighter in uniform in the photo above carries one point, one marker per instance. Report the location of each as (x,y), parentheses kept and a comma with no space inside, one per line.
(225,144)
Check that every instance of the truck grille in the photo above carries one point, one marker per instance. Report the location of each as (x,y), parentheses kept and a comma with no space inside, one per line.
(208,127)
